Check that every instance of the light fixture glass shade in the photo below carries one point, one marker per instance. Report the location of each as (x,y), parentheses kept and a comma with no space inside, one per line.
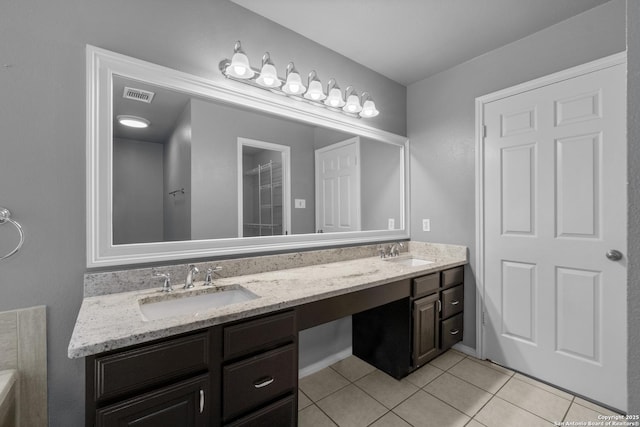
(334,95)
(268,76)
(369,109)
(293,85)
(353,104)
(133,121)
(239,66)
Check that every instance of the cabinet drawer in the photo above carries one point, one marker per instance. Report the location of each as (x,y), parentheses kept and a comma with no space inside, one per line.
(144,367)
(451,331)
(454,276)
(452,301)
(281,414)
(425,285)
(257,380)
(259,334)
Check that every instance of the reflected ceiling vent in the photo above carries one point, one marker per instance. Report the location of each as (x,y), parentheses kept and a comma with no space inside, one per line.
(138,94)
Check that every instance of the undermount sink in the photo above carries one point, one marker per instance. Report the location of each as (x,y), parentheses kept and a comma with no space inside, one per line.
(409,261)
(159,307)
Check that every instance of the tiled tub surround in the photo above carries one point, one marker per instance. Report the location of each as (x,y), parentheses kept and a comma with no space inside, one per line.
(110,317)
(8,393)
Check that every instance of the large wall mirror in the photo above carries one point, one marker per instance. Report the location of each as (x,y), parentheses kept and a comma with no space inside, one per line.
(220,169)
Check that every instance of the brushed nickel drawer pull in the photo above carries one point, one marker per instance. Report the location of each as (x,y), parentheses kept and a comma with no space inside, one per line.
(454,331)
(263,382)
(201,400)
(455,302)
(439,306)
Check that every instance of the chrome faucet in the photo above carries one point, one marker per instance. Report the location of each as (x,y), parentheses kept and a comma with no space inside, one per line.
(395,249)
(166,285)
(191,274)
(208,279)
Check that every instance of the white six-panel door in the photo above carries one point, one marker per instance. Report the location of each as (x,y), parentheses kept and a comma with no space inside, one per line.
(554,205)
(338,187)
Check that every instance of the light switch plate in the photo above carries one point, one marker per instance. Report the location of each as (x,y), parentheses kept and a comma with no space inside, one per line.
(300,203)
(426,225)
(392,224)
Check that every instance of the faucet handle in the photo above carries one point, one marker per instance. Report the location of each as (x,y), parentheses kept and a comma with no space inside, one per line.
(166,285)
(208,279)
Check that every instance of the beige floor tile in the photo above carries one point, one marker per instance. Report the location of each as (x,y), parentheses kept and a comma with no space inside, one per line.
(391,420)
(322,384)
(500,413)
(474,423)
(581,413)
(479,375)
(303,400)
(353,368)
(599,409)
(536,400)
(424,375)
(447,360)
(385,389)
(312,416)
(424,410)
(460,394)
(543,386)
(351,407)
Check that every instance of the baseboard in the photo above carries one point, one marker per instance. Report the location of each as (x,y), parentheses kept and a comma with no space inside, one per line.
(466,350)
(326,362)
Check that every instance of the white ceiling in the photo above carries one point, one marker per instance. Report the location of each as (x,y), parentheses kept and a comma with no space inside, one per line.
(409,40)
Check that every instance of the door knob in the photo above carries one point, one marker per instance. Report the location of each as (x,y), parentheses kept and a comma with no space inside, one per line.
(614,255)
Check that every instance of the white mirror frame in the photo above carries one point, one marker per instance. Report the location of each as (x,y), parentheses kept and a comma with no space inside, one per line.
(102,65)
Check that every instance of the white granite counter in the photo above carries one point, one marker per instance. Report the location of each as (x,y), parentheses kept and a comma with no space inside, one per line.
(108,322)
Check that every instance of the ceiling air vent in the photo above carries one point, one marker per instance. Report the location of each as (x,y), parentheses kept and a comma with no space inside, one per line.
(138,94)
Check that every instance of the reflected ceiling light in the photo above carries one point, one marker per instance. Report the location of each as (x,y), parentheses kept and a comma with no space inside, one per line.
(238,68)
(353,101)
(268,75)
(334,97)
(133,121)
(293,83)
(368,106)
(314,92)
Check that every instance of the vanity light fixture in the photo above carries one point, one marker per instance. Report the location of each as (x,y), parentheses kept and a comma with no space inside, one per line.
(314,91)
(239,69)
(268,75)
(293,83)
(239,66)
(368,106)
(353,101)
(334,97)
(133,121)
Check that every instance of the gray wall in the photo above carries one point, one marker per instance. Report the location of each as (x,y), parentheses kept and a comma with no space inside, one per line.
(441,123)
(137,191)
(177,175)
(633,141)
(214,171)
(42,163)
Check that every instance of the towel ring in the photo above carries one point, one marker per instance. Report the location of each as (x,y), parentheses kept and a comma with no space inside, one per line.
(5,216)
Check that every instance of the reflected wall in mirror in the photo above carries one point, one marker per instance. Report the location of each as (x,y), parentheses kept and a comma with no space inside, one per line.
(203,169)
(223,169)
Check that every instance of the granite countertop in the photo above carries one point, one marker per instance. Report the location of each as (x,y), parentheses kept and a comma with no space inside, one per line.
(109,322)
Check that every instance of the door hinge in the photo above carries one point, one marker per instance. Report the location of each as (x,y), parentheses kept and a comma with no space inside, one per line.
(482,317)
(484,131)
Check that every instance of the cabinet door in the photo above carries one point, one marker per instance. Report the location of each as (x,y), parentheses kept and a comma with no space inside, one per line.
(184,404)
(425,329)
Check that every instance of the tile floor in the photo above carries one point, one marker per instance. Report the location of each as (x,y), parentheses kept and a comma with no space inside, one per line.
(452,390)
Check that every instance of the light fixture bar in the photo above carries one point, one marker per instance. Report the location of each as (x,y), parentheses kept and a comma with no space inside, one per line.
(349,103)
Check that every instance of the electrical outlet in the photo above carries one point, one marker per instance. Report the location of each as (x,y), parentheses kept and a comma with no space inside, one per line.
(426,225)
(392,223)
(300,203)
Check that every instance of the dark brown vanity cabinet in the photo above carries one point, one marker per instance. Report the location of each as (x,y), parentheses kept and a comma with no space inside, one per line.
(238,374)
(401,336)
(165,383)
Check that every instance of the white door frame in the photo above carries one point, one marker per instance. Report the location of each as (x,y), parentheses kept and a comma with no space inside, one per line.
(589,67)
(286,180)
(356,140)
